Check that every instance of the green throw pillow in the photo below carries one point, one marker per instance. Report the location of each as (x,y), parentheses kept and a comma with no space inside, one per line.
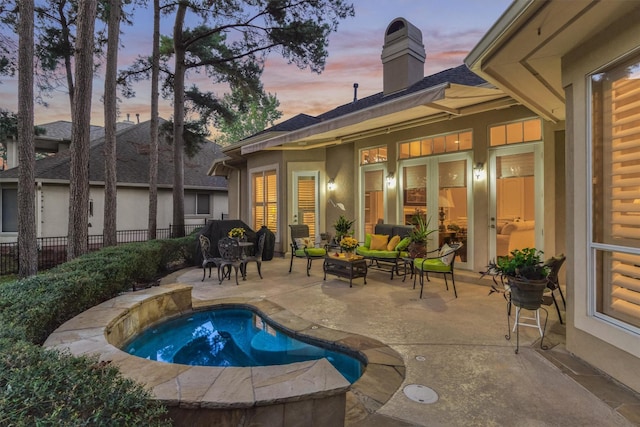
(404,243)
(367,241)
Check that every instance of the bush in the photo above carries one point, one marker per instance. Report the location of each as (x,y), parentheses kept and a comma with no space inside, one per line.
(46,387)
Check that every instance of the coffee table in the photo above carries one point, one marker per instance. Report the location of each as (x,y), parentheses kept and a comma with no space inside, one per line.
(349,268)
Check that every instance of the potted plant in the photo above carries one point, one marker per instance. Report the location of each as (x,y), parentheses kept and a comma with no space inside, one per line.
(237,233)
(342,227)
(348,244)
(525,273)
(419,236)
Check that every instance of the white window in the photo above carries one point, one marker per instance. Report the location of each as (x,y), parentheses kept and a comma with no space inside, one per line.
(9,210)
(197,204)
(615,191)
(265,200)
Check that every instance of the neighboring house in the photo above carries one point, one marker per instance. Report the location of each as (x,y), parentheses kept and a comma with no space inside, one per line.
(205,196)
(577,64)
(449,146)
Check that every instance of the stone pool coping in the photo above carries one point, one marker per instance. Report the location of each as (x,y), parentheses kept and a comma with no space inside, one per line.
(101,329)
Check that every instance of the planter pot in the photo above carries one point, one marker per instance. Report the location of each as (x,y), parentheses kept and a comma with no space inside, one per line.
(417,250)
(527,293)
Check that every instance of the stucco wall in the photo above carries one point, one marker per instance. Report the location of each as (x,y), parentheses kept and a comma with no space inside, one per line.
(606,346)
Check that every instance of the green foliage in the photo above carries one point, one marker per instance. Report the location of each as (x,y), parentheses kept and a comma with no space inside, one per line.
(46,387)
(248,117)
(420,233)
(343,225)
(229,45)
(195,135)
(39,304)
(524,263)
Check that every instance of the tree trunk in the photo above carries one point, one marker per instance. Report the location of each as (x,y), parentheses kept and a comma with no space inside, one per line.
(27,248)
(66,39)
(178,123)
(80,127)
(110,112)
(153,149)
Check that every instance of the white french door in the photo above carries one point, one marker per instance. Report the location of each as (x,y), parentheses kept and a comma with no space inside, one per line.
(516,199)
(305,201)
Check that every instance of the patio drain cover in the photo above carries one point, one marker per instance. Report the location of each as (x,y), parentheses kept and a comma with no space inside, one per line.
(421,394)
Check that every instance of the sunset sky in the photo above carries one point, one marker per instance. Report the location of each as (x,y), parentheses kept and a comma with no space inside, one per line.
(450,28)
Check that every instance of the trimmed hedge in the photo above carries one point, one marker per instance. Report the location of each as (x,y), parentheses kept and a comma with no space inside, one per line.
(44,387)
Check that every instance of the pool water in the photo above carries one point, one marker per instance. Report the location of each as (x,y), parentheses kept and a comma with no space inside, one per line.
(231,337)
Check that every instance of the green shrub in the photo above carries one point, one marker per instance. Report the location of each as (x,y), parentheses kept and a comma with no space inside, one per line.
(45,387)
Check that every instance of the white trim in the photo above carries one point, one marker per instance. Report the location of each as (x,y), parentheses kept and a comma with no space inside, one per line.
(270,167)
(306,173)
(606,328)
(537,149)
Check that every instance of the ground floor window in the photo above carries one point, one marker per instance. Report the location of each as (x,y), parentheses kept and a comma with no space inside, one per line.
(197,204)
(264,201)
(615,191)
(9,210)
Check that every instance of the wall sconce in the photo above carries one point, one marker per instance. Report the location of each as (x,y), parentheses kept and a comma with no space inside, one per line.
(478,171)
(391,180)
(331,185)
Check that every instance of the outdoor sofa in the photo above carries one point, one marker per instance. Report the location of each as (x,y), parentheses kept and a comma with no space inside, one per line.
(386,247)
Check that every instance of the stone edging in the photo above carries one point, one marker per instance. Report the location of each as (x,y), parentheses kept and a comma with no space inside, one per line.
(113,322)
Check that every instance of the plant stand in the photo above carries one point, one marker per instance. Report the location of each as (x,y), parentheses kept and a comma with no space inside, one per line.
(526,295)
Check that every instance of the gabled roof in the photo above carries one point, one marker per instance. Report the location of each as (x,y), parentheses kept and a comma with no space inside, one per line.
(61,130)
(449,93)
(459,75)
(132,153)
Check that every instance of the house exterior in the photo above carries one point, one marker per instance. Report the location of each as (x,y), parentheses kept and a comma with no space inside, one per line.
(205,196)
(577,64)
(451,147)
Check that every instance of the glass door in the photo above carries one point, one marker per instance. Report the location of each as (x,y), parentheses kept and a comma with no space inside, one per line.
(305,203)
(373,203)
(438,189)
(453,202)
(516,199)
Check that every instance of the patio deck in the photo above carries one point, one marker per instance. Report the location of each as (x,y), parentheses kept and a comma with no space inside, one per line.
(454,346)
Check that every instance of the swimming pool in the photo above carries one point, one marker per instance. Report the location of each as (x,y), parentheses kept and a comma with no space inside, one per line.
(231,337)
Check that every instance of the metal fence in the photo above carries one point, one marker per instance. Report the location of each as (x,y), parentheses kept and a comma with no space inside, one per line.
(52,251)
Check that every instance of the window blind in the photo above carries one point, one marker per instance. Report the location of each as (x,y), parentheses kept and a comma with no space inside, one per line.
(621,156)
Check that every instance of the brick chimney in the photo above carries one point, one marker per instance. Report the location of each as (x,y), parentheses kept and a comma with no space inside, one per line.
(403,56)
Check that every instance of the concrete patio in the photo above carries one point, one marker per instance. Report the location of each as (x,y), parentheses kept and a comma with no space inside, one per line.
(456,347)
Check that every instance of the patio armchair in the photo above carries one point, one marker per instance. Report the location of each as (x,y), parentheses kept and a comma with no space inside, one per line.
(208,260)
(229,258)
(257,258)
(302,246)
(442,263)
(553,285)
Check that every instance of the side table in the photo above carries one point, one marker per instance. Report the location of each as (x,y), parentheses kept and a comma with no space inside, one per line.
(349,268)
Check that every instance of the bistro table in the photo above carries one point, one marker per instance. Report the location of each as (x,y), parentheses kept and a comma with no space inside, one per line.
(349,268)
(244,248)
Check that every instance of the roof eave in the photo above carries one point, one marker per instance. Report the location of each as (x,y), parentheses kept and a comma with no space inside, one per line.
(418,98)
